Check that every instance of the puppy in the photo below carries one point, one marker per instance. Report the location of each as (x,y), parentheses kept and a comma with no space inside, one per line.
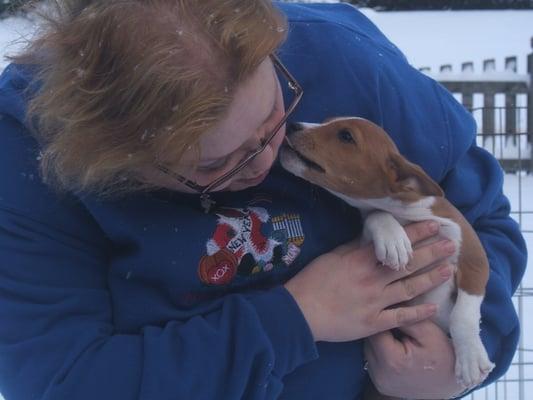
(356,160)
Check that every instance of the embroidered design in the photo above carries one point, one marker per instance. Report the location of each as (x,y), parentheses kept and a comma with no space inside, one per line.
(218,268)
(239,245)
(240,232)
(291,223)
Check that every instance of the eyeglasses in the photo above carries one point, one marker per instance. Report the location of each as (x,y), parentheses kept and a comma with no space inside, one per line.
(295,87)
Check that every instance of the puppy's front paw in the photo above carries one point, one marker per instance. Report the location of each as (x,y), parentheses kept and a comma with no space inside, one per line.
(393,247)
(472,364)
(391,244)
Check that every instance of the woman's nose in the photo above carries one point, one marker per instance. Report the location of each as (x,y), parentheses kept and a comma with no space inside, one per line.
(264,160)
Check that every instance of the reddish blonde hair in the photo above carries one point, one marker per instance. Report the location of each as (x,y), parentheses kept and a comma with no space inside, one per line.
(124,83)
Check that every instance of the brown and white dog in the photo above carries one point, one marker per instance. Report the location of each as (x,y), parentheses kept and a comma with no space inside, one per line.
(356,160)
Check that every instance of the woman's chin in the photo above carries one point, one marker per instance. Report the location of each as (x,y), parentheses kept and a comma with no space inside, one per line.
(242,184)
(237,186)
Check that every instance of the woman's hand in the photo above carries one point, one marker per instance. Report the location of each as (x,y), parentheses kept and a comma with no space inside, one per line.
(344,295)
(417,366)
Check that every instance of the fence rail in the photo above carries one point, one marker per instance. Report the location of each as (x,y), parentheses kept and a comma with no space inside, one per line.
(498,110)
(512,149)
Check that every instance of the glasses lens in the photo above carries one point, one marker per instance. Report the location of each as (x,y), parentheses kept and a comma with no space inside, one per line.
(289,88)
(289,94)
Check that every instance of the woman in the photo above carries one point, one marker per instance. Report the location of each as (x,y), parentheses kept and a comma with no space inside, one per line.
(163,254)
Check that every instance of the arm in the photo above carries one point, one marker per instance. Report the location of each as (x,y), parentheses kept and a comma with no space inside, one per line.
(58,340)
(57,336)
(371,78)
(434,130)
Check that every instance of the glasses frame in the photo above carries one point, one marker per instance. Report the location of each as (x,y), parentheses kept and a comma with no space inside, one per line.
(204,189)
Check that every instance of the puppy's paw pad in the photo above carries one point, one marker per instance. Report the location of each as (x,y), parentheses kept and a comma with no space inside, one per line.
(472,365)
(397,250)
(391,243)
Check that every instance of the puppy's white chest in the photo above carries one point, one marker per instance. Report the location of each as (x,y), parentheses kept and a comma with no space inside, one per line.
(443,295)
(393,248)
(458,312)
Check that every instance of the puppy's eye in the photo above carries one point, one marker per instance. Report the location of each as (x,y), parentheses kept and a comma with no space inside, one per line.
(345,136)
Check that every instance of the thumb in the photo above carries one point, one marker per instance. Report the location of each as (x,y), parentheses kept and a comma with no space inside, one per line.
(421,329)
(383,345)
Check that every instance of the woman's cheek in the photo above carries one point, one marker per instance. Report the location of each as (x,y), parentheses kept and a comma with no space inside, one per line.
(280,136)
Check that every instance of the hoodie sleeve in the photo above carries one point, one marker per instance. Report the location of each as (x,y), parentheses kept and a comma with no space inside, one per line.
(432,129)
(369,77)
(57,337)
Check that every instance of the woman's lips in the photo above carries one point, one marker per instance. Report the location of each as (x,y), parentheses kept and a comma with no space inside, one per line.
(257,180)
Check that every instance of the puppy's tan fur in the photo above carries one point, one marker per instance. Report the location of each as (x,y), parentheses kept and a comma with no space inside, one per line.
(356,160)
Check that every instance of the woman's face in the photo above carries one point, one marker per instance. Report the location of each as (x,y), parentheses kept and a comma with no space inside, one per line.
(254,113)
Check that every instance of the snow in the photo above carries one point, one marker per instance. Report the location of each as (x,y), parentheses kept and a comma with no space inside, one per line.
(431,39)
(434,38)
(13,32)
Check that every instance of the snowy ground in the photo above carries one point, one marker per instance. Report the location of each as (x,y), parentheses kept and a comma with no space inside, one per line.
(519,189)
(430,39)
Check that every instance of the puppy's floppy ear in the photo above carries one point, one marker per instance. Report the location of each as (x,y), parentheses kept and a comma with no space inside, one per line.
(405,176)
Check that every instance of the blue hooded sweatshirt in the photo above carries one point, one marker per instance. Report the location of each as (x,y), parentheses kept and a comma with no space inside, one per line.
(146,297)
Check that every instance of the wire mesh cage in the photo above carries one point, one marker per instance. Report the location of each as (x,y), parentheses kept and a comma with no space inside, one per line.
(514,151)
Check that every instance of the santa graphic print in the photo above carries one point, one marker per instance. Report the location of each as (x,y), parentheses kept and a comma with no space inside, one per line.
(239,246)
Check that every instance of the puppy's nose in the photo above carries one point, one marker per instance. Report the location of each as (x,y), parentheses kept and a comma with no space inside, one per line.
(294,127)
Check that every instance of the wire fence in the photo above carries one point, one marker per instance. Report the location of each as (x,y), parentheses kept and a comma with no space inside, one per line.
(514,151)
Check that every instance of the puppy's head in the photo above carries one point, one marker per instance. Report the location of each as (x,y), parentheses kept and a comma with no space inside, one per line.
(356,158)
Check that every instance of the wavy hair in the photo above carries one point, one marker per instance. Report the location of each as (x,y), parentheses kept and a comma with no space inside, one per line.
(125,83)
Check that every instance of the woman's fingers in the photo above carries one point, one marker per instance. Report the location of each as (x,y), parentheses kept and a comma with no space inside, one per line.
(396,317)
(419,231)
(422,257)
(422,330)
(408,288)
(427,255)
(416,232)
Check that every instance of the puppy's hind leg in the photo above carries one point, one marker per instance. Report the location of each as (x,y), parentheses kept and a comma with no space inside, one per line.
(472,364)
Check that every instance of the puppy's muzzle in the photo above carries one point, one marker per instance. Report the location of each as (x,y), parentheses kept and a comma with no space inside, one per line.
(293,129)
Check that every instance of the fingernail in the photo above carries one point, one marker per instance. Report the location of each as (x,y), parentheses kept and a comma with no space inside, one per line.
(448,246)
(432,308)
(445,271)
(433,227)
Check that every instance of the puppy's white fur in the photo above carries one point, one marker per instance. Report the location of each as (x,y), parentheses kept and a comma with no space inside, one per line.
(458,312)
(393,248)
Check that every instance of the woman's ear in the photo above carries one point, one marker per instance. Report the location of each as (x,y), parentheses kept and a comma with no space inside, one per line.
(408,177)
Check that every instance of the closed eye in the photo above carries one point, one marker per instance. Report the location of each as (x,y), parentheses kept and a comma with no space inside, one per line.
(345,136)
(241,154)
(223,164)
(218,164)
